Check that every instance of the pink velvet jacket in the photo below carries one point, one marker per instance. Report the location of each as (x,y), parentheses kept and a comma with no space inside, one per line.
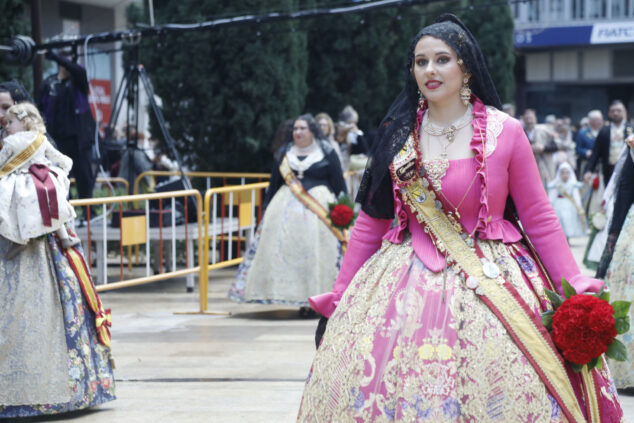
(506,165)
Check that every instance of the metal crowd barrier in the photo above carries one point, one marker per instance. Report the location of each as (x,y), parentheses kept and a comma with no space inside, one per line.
(243,176)
(353,180)
(231,214)
(135,230)
(109,181)
(227,218)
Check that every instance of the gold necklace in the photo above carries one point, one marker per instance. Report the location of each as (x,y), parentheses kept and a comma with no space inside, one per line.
(455,212)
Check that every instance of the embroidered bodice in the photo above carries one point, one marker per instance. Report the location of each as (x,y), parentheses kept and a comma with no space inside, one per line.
(46,154)
(505,165)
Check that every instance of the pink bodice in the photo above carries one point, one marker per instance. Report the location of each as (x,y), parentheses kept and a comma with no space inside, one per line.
(508,167)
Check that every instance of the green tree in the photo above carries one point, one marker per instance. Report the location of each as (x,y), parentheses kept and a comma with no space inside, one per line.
(225,91)
(492,25)
(359,59)
(14,21)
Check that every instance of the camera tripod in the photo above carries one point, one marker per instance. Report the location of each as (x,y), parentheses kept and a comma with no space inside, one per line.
(129,89)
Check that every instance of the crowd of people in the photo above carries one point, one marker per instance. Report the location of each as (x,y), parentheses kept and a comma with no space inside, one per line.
(429,310)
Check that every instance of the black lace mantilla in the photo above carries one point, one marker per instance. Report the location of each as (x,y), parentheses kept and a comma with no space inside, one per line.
(375,192)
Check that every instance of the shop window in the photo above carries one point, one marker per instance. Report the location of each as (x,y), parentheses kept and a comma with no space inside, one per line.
(623,63)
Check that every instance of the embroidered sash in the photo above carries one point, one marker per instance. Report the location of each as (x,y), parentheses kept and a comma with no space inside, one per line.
(482,276)
(568,197)
(103,318)
(23,155)
(310,202)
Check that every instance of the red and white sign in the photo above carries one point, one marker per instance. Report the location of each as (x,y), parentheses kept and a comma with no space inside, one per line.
(100,94)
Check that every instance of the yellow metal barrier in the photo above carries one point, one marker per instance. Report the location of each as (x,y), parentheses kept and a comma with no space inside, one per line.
(147,197)
(353,179)
(208,175)
(111,180)
(211,222)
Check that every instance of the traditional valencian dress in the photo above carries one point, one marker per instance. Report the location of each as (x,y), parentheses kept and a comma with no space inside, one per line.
(34,190)
(294,254)
(618,259)
(566,201)
(430,323)
(54,337)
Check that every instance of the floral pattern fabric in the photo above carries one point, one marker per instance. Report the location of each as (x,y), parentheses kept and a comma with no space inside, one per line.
(408,344)
(620,280)
(293,255)
(89,376)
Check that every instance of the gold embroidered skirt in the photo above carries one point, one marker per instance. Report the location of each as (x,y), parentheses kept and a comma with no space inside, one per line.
(408,344)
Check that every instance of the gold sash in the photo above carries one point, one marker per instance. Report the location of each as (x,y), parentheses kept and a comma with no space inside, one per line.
(568,197)
(526,330)
(310,202)
(23,155)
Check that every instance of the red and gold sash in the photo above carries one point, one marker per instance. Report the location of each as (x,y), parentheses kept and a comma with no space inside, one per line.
(103,318)
(310,202)
(484,278)
(23,155)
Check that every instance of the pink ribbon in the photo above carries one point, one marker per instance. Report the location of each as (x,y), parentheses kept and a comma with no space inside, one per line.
(46,193)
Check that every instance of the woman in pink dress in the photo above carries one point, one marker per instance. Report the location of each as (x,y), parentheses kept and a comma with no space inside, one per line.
(437,317)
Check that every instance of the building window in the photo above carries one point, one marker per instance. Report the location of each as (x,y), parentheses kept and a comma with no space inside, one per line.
(533,11)
(623,63)
(620,8)
(596,9)
(578,9)
(557,10)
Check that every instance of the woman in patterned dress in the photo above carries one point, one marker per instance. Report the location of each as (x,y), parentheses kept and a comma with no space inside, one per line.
(417,330)
(54,349)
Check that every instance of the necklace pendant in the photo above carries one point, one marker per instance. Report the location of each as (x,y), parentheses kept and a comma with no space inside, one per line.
(436,169)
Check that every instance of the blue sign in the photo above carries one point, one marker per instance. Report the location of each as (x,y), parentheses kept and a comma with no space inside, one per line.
(553,36)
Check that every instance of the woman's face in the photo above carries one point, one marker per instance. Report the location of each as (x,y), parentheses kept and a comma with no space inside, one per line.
(564,174)
(5,102)
(302,136)
(324,126)
(436,70)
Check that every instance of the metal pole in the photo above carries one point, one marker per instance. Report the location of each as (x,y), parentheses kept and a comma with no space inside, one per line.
(151,7)
(36,33)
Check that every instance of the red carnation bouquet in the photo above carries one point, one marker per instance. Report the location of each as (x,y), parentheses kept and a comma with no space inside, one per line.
(341,213)
(583,327)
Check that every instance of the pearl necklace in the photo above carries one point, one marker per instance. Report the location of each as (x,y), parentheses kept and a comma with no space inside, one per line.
(450,131)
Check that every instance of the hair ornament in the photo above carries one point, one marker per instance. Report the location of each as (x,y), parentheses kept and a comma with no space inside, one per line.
(21,114)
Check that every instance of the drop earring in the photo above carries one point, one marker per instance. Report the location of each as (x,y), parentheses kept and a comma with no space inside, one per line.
(465,91)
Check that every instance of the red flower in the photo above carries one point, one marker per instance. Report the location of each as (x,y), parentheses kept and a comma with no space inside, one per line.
(595,183)
(583,328)
(341,215)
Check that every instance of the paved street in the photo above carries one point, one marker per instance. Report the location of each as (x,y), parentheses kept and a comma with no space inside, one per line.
(249,367)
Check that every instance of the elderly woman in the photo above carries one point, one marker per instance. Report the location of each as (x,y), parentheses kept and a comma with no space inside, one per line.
(54,339)
(438,317)
(294,254)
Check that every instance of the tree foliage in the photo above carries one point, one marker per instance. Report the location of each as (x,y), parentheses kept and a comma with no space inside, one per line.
(359,59)
(13,21)
(225,91)
(492,26)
